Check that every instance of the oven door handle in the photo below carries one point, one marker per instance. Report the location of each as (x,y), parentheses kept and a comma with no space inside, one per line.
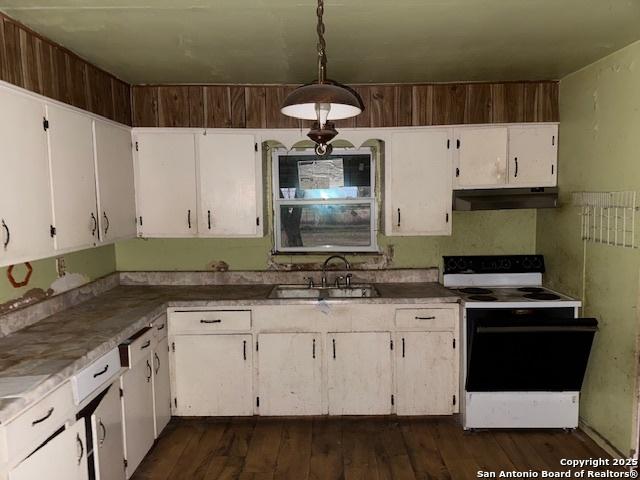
(537,329)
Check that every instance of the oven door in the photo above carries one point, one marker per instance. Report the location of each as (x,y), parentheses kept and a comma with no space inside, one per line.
(530,354)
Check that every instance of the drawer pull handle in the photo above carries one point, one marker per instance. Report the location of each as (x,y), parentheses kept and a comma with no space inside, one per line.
(158,362)
(426,318)
(150,371)
(161,327)
(101,372)
(146,345)
(8,237)
(81,448)
(403,347)
(94,220)
(211,321)
(244,349)
(104,433)
(40,420)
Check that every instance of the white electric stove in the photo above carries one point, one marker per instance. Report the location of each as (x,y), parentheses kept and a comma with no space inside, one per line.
(525,348)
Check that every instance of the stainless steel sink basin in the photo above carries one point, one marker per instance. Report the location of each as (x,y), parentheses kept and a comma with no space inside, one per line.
(319,293)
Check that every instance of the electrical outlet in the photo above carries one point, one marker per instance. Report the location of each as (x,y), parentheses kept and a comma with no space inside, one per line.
(61,267)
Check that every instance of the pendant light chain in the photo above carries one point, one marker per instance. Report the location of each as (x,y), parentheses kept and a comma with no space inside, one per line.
(322,44)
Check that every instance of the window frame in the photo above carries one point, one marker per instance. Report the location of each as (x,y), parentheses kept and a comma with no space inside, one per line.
(279,202)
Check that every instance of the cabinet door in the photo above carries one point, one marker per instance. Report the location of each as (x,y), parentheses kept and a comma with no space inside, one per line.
(137,408)
(229,184)
(166,184)
(73,178)
(290,374)
(64,457)
(481,157)
(161,388)
(425,369)
(25,192)
(420,186)
(533,154)
(106,427)
(359,373)
(213,375)
(114,166)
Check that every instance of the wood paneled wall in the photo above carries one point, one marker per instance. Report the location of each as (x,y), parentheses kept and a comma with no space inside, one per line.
(255,106)
(37,64)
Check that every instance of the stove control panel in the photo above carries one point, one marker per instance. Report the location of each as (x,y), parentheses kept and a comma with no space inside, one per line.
(494,264)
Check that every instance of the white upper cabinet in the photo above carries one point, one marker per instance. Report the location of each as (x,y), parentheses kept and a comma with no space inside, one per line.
(230,181)
(166,184)
(533,154)
(480,159)
(419,183)
(25,201)
(72,178)
(114,169)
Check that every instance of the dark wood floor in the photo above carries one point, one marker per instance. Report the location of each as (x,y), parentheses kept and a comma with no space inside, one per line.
(351,448)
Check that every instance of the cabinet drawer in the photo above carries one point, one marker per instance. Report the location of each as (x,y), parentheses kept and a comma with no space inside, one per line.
(426,318)
(203,321)
(98,373)
(29,429)
(137,347)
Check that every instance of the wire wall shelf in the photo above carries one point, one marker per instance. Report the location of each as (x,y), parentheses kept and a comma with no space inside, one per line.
(608,217)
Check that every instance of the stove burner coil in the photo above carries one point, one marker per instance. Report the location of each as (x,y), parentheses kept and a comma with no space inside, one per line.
(476,290)
(542,296)
(531,289)
(483,298)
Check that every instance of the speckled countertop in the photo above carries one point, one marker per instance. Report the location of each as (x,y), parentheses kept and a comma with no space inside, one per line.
(66,342)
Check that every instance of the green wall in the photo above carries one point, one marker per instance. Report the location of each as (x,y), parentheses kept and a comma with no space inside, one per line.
(473,232)
(599,151)
(81,267)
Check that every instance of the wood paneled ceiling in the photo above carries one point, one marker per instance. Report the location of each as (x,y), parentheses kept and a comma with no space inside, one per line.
(272,41)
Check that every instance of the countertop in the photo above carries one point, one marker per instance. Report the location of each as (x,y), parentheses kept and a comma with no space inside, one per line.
(66,342)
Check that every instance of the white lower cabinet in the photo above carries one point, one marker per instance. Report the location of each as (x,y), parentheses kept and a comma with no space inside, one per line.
(213,375)
(106,427)
(137,412)
(63,457)
(425,373)
(359,373)
(346,359)
(161,387)
(290,373)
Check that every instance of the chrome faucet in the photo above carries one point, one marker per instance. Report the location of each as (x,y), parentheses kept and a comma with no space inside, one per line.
(326,262)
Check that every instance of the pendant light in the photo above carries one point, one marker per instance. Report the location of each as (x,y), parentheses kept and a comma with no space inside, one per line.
(323,100)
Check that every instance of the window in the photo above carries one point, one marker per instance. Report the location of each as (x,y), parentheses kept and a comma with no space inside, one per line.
(324,204)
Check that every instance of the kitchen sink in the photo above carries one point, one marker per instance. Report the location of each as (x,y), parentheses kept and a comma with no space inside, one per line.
(320,293)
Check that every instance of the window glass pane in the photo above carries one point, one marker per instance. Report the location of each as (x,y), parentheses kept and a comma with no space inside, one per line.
(325,225)
(330,177)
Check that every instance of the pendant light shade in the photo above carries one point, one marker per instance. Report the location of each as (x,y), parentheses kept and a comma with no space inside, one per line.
(336,100)
(324,100)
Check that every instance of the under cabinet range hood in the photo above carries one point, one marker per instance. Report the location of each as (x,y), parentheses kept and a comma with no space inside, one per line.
(505,198)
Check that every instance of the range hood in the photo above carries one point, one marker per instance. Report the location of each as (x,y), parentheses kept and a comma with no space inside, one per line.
(505,198)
